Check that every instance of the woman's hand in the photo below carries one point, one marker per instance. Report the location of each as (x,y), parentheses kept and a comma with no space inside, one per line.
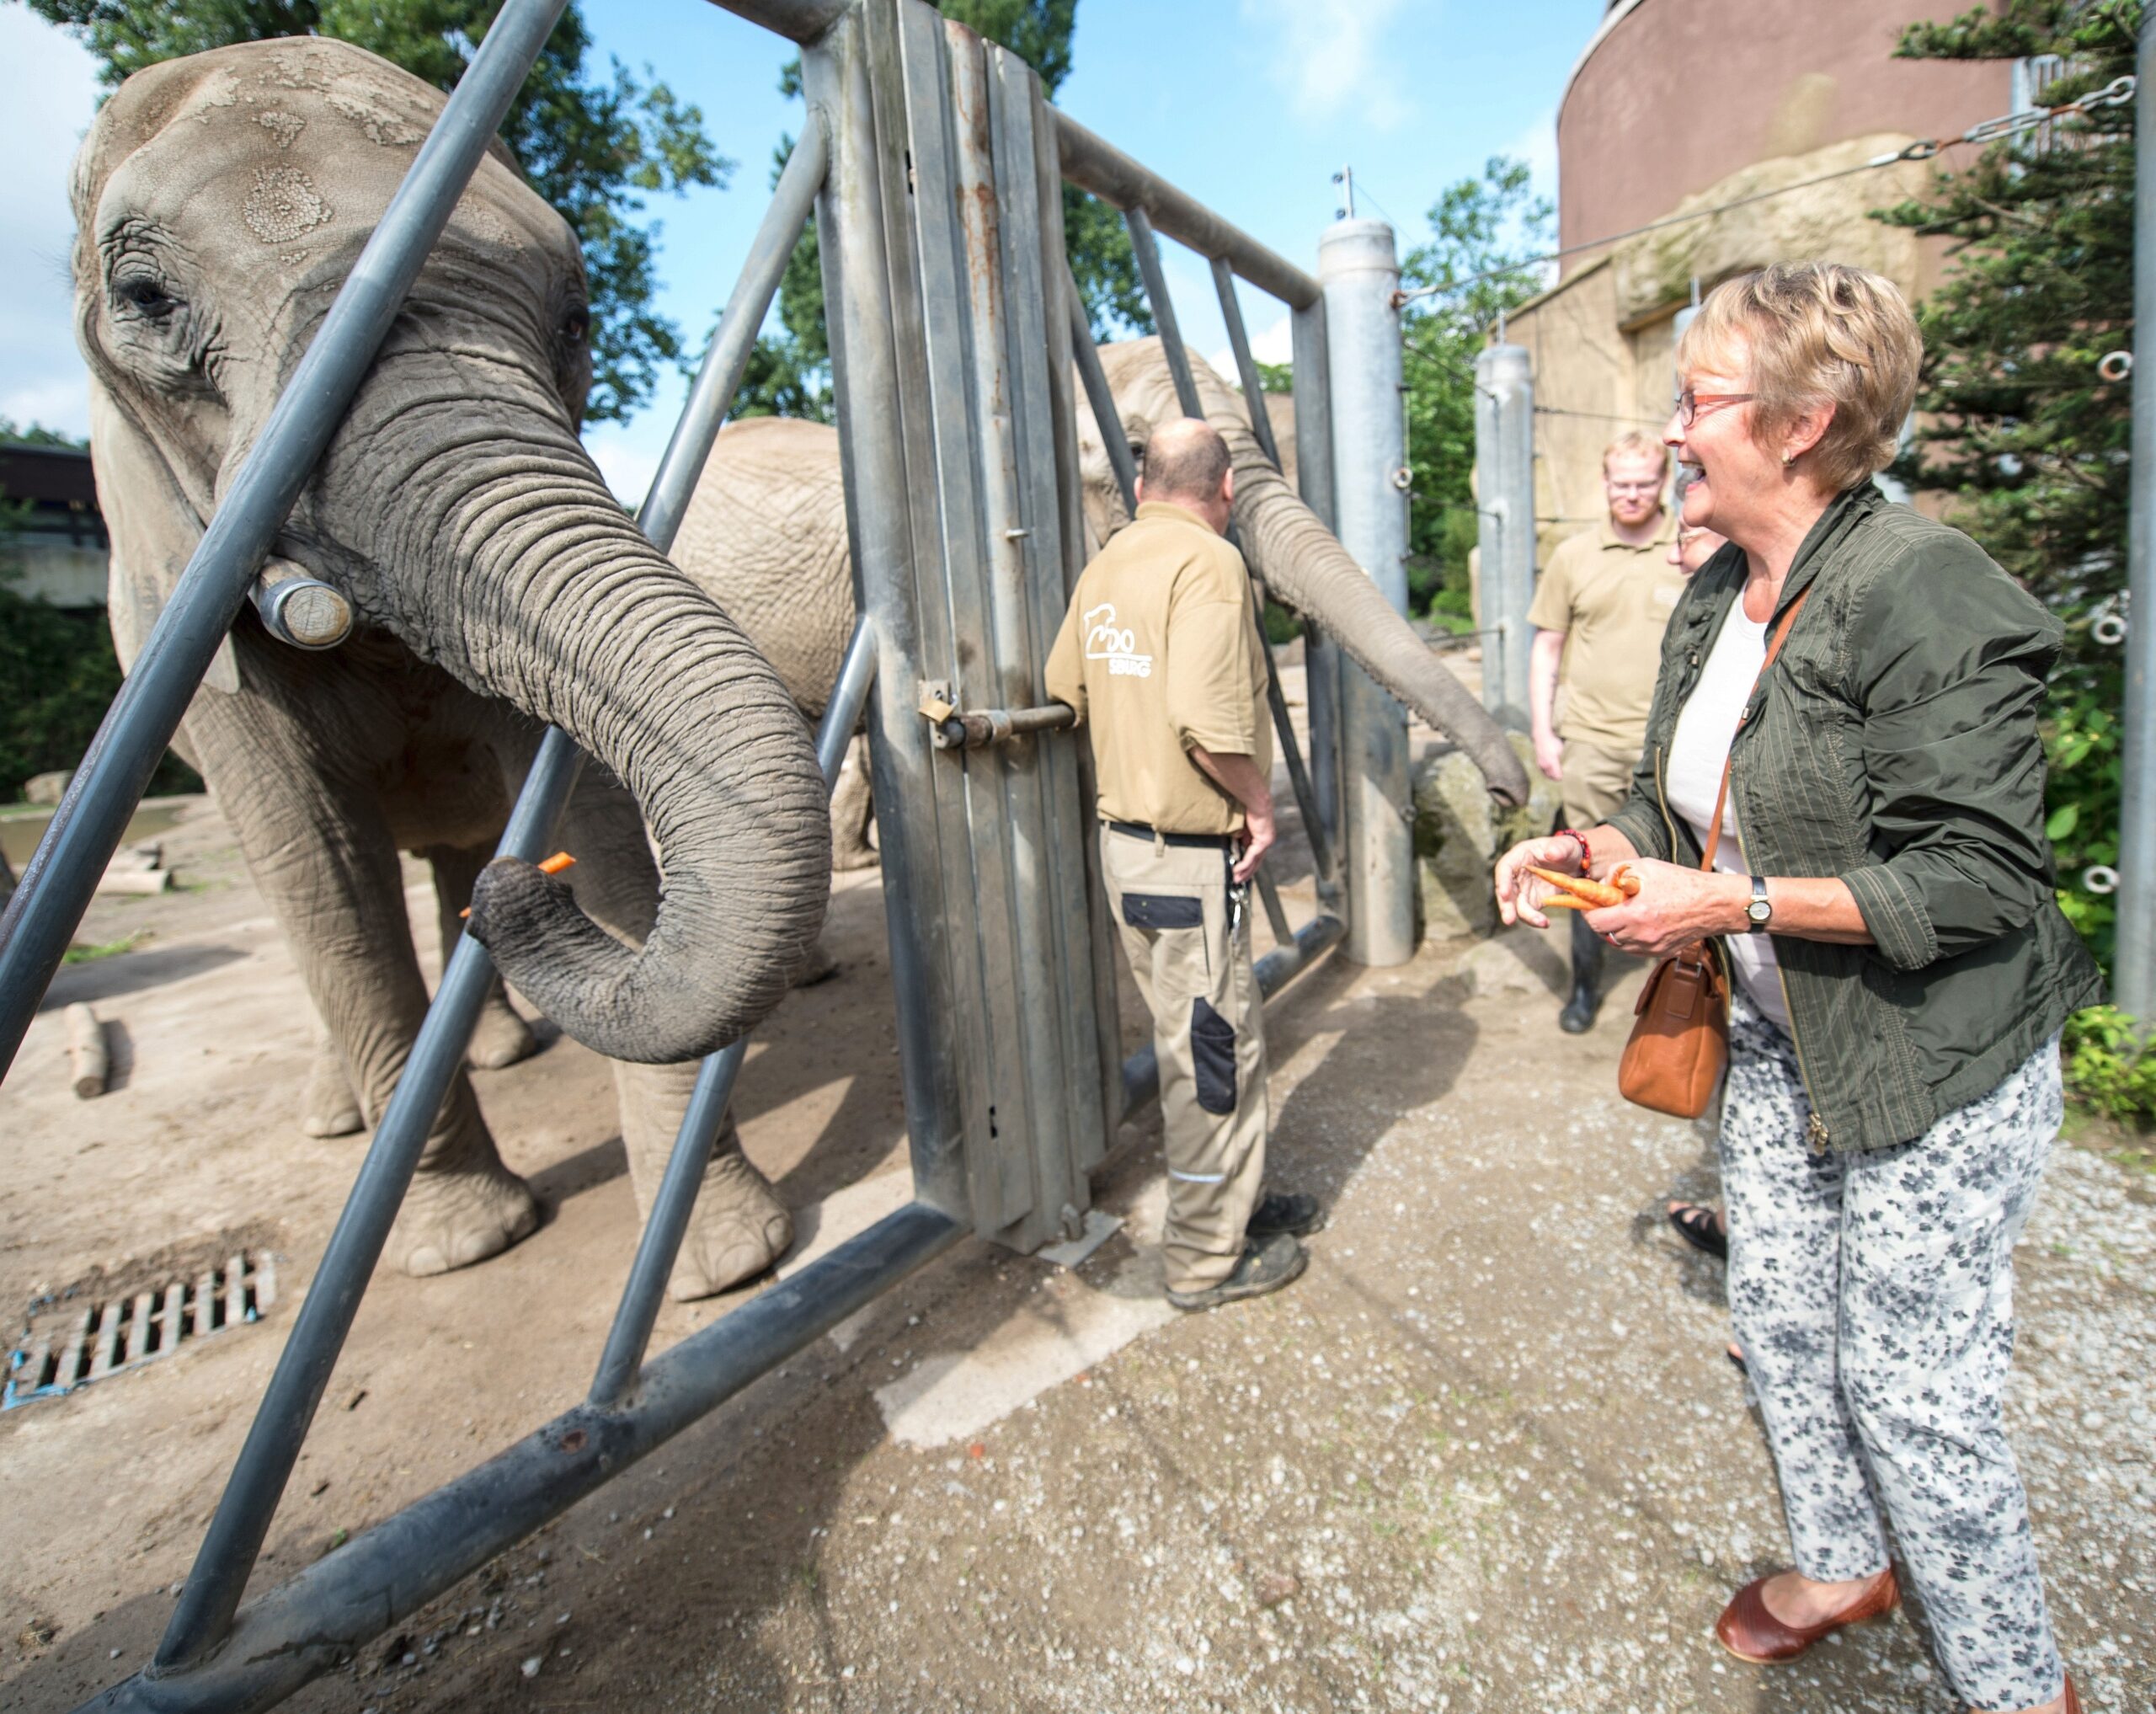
(1675,905)
(1520,894)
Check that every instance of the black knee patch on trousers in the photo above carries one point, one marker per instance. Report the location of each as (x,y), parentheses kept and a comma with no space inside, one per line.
(1213,1053)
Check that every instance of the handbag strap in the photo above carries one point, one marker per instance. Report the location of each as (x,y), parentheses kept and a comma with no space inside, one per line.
(1721,795)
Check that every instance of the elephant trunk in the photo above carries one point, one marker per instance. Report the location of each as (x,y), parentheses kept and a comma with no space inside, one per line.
(1303,564)
(540,591)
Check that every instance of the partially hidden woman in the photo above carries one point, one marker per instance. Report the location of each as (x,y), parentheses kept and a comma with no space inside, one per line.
(1883,892)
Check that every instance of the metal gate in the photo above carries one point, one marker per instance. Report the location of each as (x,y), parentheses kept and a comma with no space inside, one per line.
(933,166)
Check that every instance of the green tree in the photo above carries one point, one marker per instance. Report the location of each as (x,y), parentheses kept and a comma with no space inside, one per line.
(2016,429)
(789,374)
(1479,261)
(595,147)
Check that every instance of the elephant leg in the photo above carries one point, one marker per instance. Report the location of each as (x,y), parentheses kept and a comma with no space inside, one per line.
(739,1227)
(501,1037)
(321,854)
(851,809)
(329,1107)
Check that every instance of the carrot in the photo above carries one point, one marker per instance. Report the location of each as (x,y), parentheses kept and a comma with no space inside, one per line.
(1580,892)
(548,866)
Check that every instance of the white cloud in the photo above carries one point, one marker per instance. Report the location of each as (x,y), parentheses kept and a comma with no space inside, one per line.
(1271,345)
(1537,146)
(52,92)
(627,454)
(1329,54)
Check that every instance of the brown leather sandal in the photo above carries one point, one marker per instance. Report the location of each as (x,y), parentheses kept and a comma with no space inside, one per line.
(1748,1631)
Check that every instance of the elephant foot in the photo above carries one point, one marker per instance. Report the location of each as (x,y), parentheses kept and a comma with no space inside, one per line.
(819,966)
(739,1229)
(501,1037)
(451,1220)
(328,1108)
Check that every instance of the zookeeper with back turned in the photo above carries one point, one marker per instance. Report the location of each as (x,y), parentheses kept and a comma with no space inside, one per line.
(1882,887)
(1161,657)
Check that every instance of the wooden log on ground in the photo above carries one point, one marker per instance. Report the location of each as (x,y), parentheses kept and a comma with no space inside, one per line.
(85,1051)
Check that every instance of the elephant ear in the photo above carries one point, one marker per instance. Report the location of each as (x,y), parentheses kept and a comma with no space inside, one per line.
(154,533)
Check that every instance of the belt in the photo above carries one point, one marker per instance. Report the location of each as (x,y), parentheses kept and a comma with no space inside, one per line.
(1139,829)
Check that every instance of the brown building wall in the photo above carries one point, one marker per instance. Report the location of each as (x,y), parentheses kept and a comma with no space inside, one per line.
(1674,95)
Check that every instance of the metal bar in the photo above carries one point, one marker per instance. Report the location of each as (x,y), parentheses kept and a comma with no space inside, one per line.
(1092,163)
(976,728)
(1148,252)
(1298,779)
(1276,913)
(2133,959)
(675,1200)
(1099,396)
(308,1626)
(1357,261)
(804,21)
(234,1538)
(711,397)
(1504,466)
(57,884)
(1253,384)
(1141,1071)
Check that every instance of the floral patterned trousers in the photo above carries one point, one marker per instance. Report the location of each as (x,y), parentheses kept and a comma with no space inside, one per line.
(1873,1294)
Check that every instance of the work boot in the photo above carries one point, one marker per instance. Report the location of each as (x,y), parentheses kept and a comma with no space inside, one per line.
(1265,1265)
(1578,1017)
(1290,1212)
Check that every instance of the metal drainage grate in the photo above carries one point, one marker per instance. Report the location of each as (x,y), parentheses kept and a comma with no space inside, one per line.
(106,1337)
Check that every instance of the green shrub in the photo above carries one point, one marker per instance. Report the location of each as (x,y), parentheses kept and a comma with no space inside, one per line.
(2109,1068)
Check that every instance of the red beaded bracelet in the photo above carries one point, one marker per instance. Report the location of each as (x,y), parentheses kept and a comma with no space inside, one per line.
(1587,855)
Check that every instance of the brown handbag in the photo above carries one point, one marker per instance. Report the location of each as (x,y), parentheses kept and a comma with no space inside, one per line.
(1680,1027)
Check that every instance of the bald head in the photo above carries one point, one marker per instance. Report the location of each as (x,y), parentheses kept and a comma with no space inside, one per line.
(1186,465)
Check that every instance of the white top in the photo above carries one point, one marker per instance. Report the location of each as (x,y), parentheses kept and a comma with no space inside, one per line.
(1693,776)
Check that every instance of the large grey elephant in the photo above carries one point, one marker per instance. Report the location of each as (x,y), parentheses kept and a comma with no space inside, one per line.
(220,200)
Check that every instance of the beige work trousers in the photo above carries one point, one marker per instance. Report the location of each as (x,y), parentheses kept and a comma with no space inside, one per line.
(1595,782)
(1172,904)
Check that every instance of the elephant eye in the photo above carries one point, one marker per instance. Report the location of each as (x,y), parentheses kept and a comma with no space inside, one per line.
(146,295)
(575,325)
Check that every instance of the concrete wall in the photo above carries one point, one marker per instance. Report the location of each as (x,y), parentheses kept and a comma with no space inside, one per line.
(1672,95)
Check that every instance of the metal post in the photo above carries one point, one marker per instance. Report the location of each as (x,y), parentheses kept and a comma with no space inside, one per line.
(1148,252)
(1102,399)
(1358,266)
(86,829)
(1504,464)
(2133,957)
(1253,384)
(1320,654)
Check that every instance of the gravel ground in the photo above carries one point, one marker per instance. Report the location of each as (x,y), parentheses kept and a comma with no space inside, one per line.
(1486,1454)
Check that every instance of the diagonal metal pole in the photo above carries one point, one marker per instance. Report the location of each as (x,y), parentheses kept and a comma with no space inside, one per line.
(1102,399)
(234,1540)
(627,1340)
(2133,959)
(86,829)
(1147,249)
(1253,384)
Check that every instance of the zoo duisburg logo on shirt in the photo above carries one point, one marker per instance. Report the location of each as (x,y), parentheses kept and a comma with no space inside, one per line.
(1118,646)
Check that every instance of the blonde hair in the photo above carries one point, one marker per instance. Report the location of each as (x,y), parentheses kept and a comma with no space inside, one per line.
(1818,333)
(1637,443)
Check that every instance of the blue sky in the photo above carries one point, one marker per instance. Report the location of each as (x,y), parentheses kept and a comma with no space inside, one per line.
(1252,106)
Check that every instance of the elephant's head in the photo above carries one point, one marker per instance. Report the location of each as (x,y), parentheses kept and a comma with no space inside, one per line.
(220,201)
(1302,563)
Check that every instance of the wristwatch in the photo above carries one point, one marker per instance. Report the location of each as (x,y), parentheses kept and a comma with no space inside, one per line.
(1760,912)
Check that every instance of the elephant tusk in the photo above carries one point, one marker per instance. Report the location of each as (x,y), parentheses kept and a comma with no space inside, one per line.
(548,866)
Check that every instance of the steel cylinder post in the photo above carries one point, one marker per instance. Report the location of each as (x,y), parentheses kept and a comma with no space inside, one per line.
(1359,269)
(2133,965)
(1504,482)
(1320,654)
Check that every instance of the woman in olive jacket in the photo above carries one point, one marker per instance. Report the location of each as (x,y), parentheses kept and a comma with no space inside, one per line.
(1883,892)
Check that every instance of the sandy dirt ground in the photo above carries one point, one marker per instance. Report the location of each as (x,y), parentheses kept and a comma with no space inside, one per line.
(1487,1455)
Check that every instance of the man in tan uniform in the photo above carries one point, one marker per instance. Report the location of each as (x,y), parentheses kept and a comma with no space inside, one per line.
(1161,656)
(1599,612)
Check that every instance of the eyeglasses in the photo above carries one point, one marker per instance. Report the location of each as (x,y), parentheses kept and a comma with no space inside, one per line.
(1688,403)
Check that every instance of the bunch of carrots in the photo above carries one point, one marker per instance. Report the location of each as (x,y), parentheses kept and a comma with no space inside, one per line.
(1579,893)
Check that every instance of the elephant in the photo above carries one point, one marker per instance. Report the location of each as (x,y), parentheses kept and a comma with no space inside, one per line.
(220,201)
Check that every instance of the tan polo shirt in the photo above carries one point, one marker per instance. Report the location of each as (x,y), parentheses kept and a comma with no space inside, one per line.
(1160,651)
(1612,602)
